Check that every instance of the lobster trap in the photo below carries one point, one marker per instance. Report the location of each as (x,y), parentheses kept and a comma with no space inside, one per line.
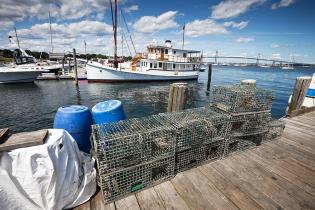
(249,123)
(241,143)
(120,183)
(125,143)
(193,157)
(276,128)
(195,127)
(242,98)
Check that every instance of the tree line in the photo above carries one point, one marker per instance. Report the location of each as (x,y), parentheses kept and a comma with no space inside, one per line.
(6,53)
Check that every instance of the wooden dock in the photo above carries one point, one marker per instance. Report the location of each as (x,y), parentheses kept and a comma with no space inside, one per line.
(275,175)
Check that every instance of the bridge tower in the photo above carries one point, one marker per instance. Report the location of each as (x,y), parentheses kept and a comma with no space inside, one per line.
(257,59)
(216,57)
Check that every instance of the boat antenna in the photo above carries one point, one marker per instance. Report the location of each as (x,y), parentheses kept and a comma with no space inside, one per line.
(17,39)
(183,36)
(134,48)
(51,43)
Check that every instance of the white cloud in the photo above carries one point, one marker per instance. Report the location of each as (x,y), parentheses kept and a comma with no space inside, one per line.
(152,24)
(4,25)
(19,10)
(233,24)
(274,45)
(245,39)
(233,8)
(131,8)
(204,27)
(65,36)
(282,3)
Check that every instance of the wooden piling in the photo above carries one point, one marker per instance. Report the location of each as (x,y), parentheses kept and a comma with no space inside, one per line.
(177,97)
(75,67)
(299,92)
(250,82)
(69,65)
(209,77)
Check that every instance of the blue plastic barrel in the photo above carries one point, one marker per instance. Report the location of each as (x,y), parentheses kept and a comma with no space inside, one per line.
(77,121)
(108,111)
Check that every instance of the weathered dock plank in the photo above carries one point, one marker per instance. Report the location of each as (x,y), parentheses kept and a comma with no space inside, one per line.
(169,196)
(3,132)
(26,139)
(275,175)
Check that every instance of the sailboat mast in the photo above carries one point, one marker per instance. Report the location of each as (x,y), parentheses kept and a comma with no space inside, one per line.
(52,48)
(17,39)
(115,36)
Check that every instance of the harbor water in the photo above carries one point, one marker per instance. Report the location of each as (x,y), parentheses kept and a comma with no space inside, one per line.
(32,106)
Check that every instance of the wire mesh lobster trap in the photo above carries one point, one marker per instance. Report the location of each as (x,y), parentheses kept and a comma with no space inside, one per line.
(249,123)
(276,128)
(241,143)
(195,127)
(125,143)
(196,156)
(120,183)
(241,98)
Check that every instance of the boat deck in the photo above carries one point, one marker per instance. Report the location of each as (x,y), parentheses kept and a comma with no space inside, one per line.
(275,175)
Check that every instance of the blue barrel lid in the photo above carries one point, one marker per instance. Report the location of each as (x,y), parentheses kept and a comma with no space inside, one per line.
(106,106)
(73,109)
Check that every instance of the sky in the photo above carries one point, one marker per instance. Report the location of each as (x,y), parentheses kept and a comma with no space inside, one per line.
(274,28)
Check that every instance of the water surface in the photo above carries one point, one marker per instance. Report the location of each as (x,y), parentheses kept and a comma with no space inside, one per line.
(26,107)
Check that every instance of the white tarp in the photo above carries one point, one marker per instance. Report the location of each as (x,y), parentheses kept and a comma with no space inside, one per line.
(55,175)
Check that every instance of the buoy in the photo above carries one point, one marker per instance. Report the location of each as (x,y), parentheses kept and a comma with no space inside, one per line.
(77,121)
(108,111)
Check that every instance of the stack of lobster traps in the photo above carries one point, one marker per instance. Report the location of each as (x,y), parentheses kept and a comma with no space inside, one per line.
(138,153)
(250,116)
(200,134)
(132,155)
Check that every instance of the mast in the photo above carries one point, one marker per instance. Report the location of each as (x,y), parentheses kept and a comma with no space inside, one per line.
(17,39)
(52,48)
(183,36)
(122,37)
(115,36)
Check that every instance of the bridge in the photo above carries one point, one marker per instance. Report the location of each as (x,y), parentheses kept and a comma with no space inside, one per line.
(258,60)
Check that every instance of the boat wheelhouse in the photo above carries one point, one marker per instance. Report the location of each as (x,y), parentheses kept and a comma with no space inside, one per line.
(168,58)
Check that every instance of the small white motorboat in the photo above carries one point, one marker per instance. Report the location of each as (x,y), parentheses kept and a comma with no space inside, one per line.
(19,74)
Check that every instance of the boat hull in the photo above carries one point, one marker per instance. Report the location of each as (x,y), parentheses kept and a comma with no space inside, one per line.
(18,76)
(98,73)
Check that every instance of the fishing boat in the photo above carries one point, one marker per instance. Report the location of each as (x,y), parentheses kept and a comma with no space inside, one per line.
(289,66)
(161,62)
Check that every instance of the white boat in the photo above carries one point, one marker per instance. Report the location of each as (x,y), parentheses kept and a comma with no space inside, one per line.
(287,67)
(18,74)
(160,63)
(264,66)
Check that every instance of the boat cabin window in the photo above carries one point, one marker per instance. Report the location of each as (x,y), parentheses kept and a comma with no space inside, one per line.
(174,66)
(155,65)
(184,55)
(24,60)
(166,51)
(160,64)
(150,65)
(174,51)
